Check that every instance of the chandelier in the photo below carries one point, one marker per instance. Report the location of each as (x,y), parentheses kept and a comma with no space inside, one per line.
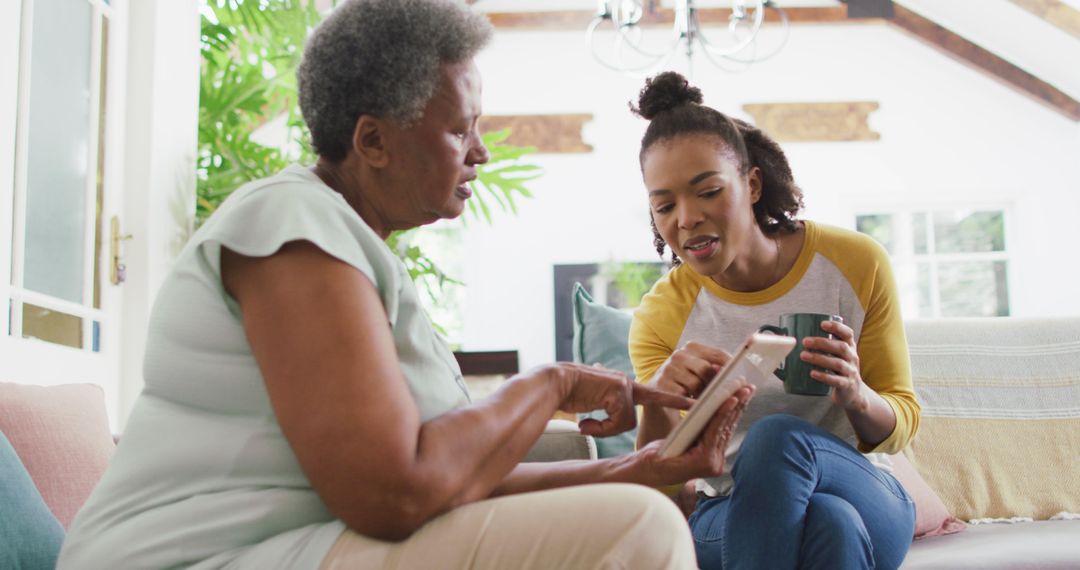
(634,52)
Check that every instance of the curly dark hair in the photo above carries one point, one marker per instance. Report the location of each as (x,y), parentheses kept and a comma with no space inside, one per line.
(673,107)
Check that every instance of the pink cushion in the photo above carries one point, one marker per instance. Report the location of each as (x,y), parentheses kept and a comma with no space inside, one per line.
(61,434)
(931,516)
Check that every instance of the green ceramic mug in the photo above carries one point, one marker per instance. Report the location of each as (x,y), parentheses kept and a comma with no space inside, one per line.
(796,372)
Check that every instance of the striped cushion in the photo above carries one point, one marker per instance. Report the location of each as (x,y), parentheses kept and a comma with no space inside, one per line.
(1000,430)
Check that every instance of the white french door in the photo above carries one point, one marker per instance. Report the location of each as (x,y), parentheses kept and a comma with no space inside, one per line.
(61,169)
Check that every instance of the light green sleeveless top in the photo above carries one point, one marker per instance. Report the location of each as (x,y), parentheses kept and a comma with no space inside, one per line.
(203,476)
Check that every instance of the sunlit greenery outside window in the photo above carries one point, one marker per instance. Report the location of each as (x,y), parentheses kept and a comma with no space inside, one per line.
(250,127)
(948,262)
(443,296)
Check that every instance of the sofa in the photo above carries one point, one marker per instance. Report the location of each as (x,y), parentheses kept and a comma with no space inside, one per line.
(998,444)
(999,441)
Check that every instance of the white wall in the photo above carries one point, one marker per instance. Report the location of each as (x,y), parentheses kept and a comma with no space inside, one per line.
(950,135)
(159,167)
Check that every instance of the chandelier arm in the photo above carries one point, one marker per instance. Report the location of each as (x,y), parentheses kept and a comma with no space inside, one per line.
(653,62)
(621,15)
(637,48)
(755,58)
(628,54)
(590,43)
(755,27)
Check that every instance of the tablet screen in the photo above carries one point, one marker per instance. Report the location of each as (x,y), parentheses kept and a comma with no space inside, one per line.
(758,357)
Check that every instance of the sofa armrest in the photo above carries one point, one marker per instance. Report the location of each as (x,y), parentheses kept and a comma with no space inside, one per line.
(561,440)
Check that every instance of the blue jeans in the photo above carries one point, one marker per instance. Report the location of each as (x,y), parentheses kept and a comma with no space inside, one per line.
(803,498)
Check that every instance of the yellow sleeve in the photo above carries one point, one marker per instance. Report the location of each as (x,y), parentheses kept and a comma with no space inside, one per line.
(883,354)
(657,326)
(659,321)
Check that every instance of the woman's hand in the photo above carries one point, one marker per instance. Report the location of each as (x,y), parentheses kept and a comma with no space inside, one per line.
(689,369)
(686,372)
(840,360)
(706,457)
(587,388)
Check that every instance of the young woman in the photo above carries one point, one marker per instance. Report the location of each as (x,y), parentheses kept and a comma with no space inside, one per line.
(801,492)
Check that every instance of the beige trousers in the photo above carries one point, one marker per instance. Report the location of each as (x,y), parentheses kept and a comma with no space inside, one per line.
(610,526)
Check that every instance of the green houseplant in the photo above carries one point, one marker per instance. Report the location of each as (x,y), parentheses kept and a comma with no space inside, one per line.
(250,51)
(631,280)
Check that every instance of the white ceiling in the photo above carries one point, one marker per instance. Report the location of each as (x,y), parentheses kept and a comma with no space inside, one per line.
(999,26)
(1013,34)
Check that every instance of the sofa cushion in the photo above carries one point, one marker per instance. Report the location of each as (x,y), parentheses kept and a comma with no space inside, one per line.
(601,336)
(601,333)
(561,440)
(62,435)
(30,536)
(1000,428)
(1035,545)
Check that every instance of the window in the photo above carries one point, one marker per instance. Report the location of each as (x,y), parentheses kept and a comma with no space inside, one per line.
(948,263)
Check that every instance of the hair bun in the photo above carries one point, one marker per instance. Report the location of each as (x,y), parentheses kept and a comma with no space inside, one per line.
(663,92)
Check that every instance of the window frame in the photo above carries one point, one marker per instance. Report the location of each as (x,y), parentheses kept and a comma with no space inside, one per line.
(905,261)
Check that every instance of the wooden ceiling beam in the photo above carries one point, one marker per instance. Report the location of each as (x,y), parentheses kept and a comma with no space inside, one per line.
(1054,12)
(579,19)
(949,42)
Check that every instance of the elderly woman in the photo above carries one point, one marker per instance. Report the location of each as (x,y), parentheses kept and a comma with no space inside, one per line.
(299,410)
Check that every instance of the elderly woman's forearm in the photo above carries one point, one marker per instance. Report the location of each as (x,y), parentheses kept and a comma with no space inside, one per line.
(484,442)
(459,457)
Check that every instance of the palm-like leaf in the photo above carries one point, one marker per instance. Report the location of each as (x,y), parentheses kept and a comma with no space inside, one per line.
(502,178)
(250,50)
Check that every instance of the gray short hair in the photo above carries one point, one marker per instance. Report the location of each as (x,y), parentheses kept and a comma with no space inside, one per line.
(381,58)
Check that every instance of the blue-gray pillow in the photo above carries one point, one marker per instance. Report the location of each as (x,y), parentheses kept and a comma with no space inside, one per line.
(601,336)
(30,536)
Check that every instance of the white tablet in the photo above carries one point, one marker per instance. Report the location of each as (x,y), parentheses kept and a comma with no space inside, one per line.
(758,357)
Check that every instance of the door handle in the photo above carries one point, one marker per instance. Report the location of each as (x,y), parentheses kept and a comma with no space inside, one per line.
(117,268)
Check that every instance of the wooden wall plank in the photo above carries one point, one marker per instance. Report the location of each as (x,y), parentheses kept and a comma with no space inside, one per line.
(579,19)
(815,122)
(548,133)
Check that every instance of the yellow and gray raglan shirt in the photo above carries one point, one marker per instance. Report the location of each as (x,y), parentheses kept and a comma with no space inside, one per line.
(838,272)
